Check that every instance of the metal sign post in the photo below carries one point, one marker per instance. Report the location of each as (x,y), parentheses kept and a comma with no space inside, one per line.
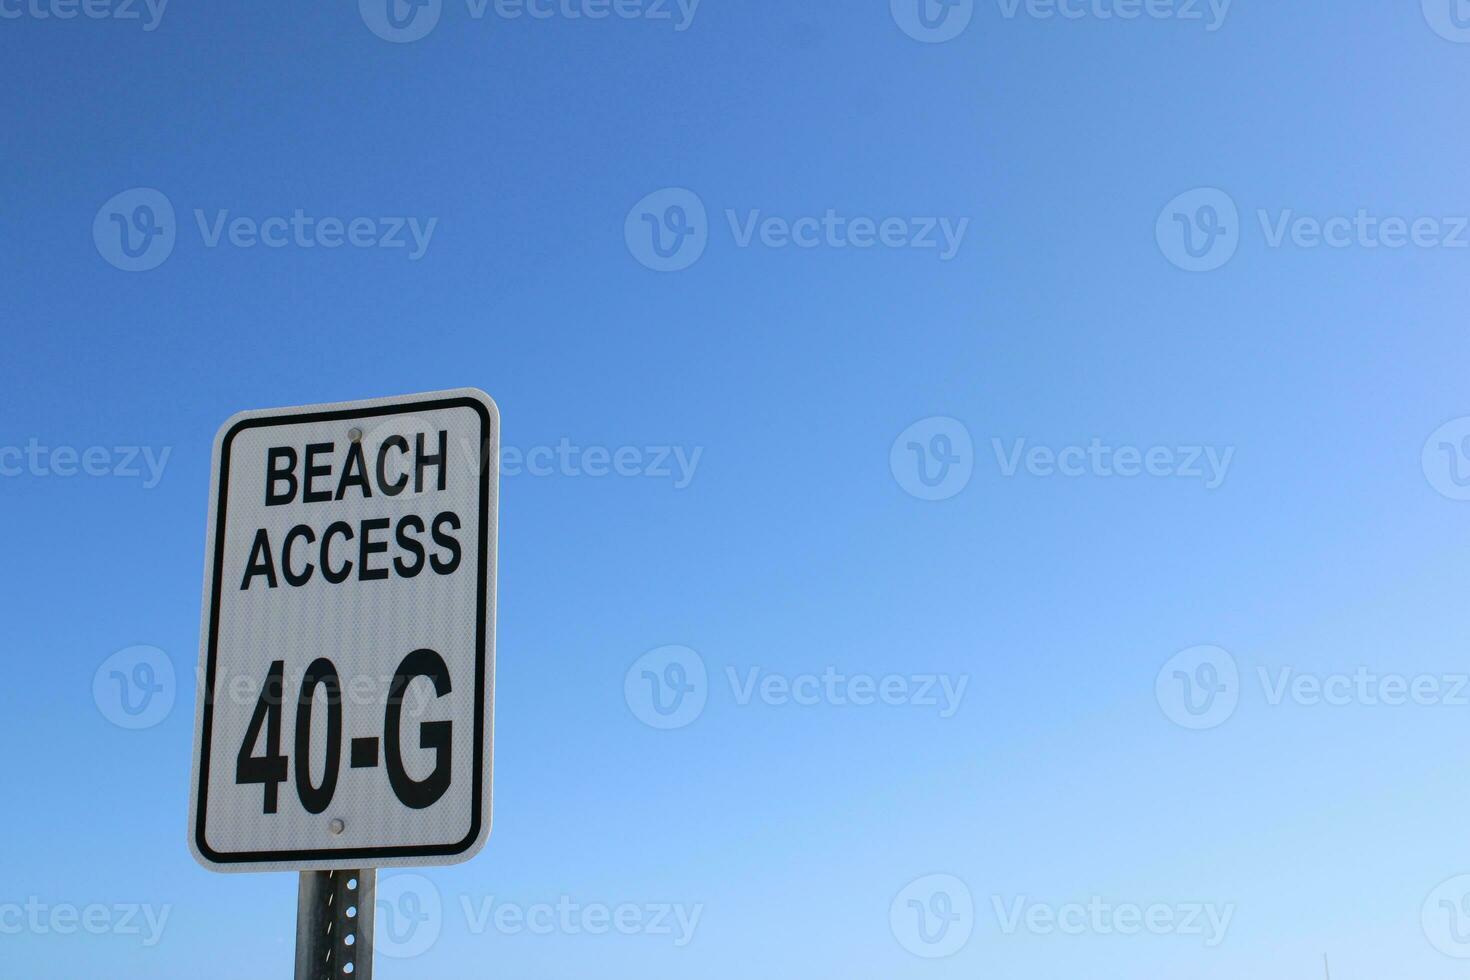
(334,925)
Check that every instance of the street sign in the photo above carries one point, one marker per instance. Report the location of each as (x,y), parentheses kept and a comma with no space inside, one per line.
(347,648)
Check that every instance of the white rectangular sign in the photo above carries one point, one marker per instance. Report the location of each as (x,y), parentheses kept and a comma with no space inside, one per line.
(347,649)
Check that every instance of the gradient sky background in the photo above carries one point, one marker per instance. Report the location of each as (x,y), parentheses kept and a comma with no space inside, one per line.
(794,548)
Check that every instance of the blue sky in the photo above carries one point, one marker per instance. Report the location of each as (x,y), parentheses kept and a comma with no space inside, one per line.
(1294,417)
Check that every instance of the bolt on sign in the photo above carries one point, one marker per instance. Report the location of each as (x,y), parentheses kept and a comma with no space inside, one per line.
(347,646)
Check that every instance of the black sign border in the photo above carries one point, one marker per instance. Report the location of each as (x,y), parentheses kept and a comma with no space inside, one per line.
(347,855)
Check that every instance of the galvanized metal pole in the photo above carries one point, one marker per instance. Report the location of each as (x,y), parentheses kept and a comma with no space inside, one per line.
(334,924)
